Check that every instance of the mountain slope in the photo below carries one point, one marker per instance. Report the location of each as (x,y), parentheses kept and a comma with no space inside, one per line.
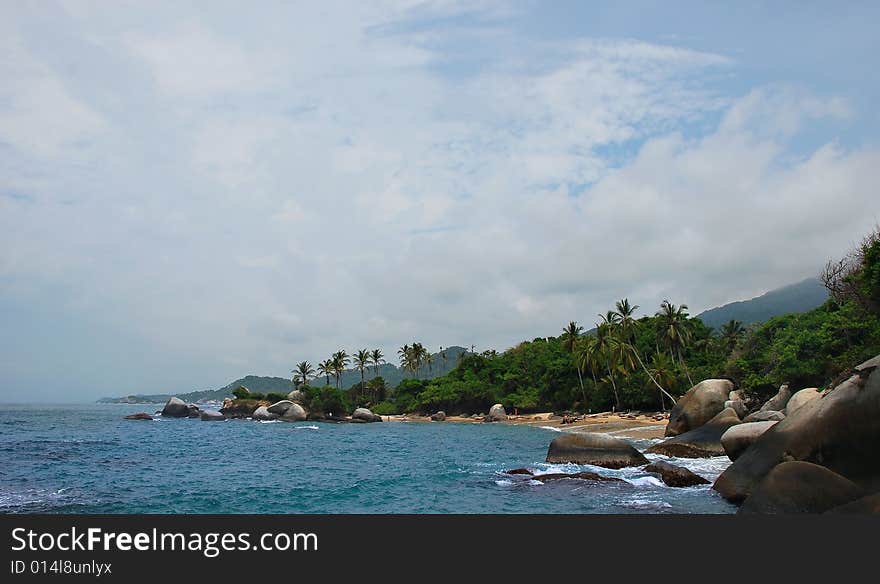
(800,297)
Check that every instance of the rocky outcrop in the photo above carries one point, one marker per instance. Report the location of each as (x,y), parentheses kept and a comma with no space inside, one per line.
(240,408)
(675,476)
(778,402)
(212,416)
(175,408)
(737,406)
(297,396)
(496,414)
(439,416)
(764,416)
(596,449)
(582,476)
(295,413)
(800,487)
(702,442)
(839,431)
(365,415)
(140,416)
(869,505)
(700,404)
(519,471)
(263,414)
(737,438)
(801,398)
(193,411)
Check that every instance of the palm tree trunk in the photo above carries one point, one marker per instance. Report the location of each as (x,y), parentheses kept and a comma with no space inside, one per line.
(683,366)
(581,380)
(660,387)
(614,386)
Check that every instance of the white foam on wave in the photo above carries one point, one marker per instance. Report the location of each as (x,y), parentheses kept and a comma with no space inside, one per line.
(648,481)
(268,421)
(645,504)
(550,428)
(306,427)
(504,483)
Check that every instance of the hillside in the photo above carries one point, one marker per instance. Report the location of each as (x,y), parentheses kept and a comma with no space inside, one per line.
(392,374)
(794,298)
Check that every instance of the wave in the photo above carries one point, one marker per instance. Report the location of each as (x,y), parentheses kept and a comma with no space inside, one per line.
(306,427)
(550,428)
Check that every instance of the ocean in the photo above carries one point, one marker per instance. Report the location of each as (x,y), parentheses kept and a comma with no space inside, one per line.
(87,459)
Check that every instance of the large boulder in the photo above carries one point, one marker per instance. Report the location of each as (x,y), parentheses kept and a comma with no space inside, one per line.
(294,413)
(764,416)
(193,411)
(869,505)
(212,416)
(439,416)
(737,438)
(240,408)
(700,404)
(701,442)
(297,396)
(740,407)
(140,416)
(263,414)
(175,408)
(593,448)
(365,415)
(778,402)
(839,431)
(801,398)
(280,407)
(675,476)
(801,487)
(496,414)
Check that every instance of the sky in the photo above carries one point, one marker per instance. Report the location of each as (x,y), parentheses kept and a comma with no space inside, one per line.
(193,192)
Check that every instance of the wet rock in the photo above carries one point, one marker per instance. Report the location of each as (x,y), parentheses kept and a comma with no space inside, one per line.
(596,449)
(700,404)
(519,471)
(212,416)
(800,487)
(839,431)
(140,416)
(263,414)
(193,411)
(175,408)
(675,476)
(737,438)
(583,476)
(702,442)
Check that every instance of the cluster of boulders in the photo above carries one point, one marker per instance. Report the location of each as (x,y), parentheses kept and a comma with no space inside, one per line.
(292,409)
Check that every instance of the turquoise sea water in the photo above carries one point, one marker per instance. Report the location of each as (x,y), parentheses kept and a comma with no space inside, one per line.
(87,459)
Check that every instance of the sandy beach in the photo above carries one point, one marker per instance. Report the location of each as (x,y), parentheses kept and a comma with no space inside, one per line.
(623,426)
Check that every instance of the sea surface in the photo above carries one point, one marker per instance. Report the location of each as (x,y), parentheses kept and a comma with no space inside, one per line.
(87,459)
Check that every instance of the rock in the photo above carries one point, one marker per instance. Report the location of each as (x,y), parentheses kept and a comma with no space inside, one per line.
(737,438)
(297,396)
(675,476)
(701,442)
(240,408)
(193,411)
(280,407)
(262,413)
(496,414)
(778,402)
(294,413)
(212,416)
(519,471)
(439,416)
(737,395)
(175,408)
(839,431)
(365,415)
(140,416)
(801,398)
(700,404)
(801,487)
(738,406)
(869,505)
(764,416)
(583,476)
(593,448)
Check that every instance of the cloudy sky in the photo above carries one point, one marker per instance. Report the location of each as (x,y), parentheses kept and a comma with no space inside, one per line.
(191,194)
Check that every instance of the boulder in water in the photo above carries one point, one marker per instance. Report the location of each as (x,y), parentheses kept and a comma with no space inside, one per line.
(212,416)
(294,413)
(800,487)
(737,438)
(839,431)
(175,408)
(700,404)
(365,415)
(519,471)
(140,416)
(701,442)
(193,411)
(593,448)
(263,414)
(675,476)
(582,476)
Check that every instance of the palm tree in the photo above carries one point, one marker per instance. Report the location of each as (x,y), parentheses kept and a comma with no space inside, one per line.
(362,360)
(570,335)
(377,358)
(664,372)
(730,333)
(445,358)
(626,327)
(429,360)
(301,374)
(325,368)
(340,360)
(405,355)
(606,346)
(675,331)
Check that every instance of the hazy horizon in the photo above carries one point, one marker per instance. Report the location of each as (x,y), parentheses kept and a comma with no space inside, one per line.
(189,196)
